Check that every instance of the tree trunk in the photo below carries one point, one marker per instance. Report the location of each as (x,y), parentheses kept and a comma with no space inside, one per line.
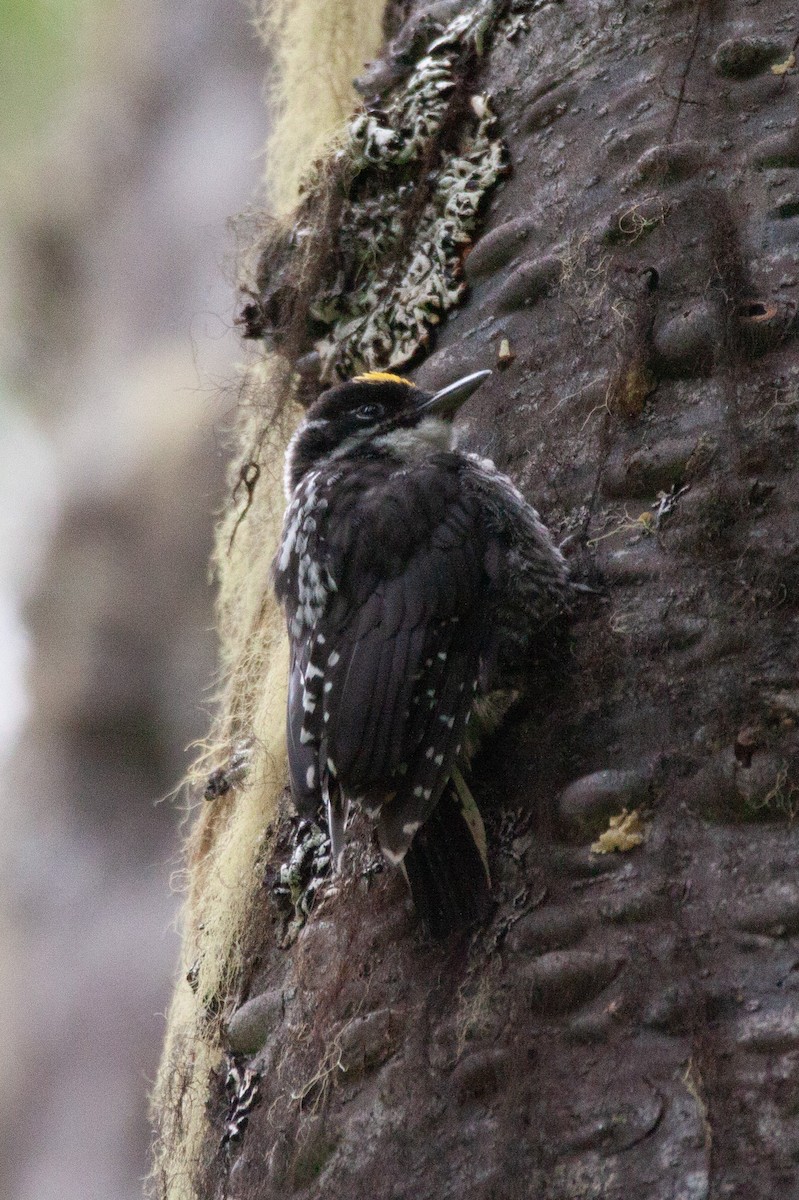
(626,1024)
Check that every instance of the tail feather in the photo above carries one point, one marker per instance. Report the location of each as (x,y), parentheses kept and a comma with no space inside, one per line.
(446,866)
(337,810)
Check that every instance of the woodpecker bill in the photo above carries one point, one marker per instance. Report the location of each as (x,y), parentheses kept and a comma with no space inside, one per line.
(413,576)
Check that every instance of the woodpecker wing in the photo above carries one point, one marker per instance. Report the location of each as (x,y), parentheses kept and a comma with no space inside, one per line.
(303,752)
(301,585)
(398,646)
(531,591)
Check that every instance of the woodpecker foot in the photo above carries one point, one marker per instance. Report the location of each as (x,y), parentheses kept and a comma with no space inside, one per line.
(301,878)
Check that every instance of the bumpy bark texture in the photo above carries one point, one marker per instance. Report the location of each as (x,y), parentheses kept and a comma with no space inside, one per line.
(627,1024)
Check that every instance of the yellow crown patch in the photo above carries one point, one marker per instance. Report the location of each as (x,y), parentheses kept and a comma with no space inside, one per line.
(381,377)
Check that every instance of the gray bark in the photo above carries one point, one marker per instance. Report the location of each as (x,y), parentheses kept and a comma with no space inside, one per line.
(627,1023)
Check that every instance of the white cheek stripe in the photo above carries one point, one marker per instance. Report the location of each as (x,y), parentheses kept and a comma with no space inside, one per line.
(417,441)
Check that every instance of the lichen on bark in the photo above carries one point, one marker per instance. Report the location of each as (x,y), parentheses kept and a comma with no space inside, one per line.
(372,259)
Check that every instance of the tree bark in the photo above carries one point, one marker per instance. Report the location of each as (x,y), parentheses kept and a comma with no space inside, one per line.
(627,1023)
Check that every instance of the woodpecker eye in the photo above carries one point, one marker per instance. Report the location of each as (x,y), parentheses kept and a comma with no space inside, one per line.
(369,412)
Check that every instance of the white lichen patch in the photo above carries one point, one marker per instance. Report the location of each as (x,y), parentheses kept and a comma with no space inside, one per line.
(389,320)
(418,168)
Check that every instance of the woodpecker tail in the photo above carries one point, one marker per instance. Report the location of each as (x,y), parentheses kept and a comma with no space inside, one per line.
(446,866)
(337,808)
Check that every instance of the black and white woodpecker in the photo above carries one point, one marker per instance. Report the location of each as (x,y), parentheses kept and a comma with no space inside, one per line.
(415,578)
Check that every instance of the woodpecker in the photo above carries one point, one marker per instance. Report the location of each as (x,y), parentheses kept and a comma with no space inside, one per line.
(414,578)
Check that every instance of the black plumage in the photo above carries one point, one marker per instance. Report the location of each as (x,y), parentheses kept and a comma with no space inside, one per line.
(400,560)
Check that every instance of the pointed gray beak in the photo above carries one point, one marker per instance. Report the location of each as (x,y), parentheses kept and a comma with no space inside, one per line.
(447,401)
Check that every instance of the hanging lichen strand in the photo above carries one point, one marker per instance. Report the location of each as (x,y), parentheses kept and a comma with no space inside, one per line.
(414,172)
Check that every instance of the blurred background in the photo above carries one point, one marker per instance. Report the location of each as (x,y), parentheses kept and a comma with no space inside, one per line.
(130,131)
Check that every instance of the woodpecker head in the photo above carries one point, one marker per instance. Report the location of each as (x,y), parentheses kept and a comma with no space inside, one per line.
(376,413)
